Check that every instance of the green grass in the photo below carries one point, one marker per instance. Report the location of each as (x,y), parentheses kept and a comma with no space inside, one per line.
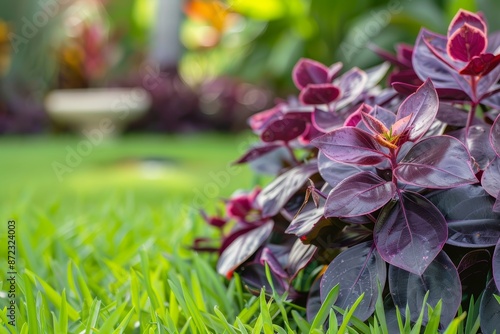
(106,250)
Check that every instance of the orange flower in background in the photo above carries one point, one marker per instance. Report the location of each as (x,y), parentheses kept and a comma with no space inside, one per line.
(214,18)
(4,47)
(211,11)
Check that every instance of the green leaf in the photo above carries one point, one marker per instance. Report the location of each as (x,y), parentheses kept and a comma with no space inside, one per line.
(63,314)
(267,322)
(53,296)
(324,310)
(93,316)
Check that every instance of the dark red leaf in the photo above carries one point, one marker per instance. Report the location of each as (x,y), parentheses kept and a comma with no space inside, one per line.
(261,120)
(466,42)
(257,152)
(319,94)
(481,65)
(308,71)
(283,130)
(465,17)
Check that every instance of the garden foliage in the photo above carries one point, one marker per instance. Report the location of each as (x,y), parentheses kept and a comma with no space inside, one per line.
(394,186)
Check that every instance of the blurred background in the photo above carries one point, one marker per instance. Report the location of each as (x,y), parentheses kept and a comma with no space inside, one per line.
(98,95)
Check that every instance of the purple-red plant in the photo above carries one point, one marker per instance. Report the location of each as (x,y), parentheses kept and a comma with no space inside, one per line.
(397,188)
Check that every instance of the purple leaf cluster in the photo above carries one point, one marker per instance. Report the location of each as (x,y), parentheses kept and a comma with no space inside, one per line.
(394,188)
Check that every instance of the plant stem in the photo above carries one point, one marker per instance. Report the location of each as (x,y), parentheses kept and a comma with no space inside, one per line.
(470,118)
(319,192)
(474,104)
(292,154)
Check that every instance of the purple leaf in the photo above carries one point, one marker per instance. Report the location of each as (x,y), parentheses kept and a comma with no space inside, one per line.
(388,56)
(351,84)
(423,106)
(436,162)
(473,265)
(491,178)
(308,71)
(358,195)
(496,206)
(335,172)
(495,135)
(254,277)
(242,248)
(333,70)
(326,121)
(272,261)
(374,125)
(313,300)
(300,255)
(350,145)
(410,233)
(307,219)
(404,88)
(496,264)
(275,195)
(478,143)
(468,211)
(261,120)
(384,115)
(257,152)
(284,130)
(319,94)
(451,115)
(354,115)
(440,279)
(489,311)
(357,270)
(376,73)
(432,64)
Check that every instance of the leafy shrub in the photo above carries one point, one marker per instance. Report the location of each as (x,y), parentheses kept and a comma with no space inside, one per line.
(396,187)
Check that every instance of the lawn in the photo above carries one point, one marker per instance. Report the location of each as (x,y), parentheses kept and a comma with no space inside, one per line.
(104,247)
